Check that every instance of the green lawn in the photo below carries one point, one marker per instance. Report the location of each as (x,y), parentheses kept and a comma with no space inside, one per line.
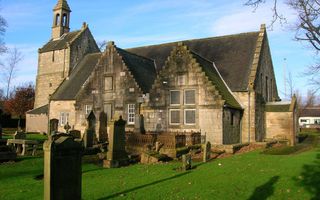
(247,176)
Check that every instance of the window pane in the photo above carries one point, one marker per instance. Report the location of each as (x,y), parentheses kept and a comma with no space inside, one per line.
(131,113)
(190,116)
(108,83)
(88,109)
(190,97)
(175,116)
(174,97)
(108,109)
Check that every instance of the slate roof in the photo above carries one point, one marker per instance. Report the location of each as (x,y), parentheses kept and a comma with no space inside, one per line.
(142,69)
(214,76)
(232,55)
(40,110)
(60,43)
(278,107)
(310,112)
(71,86)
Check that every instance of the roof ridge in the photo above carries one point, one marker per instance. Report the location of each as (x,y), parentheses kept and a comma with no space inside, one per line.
(152,60)
(195,39)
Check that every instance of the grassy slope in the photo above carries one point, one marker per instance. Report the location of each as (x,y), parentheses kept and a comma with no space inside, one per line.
(247,176)
(252,175)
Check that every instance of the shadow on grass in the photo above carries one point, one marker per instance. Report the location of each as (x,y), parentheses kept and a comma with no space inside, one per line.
(264,191)
(142,186)
(310,178)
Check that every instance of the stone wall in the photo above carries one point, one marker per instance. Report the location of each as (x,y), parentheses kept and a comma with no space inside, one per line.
(37,123)
(180,74)
(56,107)
(55,66)
(51,68)
(280,125)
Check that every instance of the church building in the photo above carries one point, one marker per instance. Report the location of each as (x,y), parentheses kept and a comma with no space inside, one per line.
(223,87)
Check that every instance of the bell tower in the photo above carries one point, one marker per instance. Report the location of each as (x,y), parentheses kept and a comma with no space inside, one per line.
(61,19)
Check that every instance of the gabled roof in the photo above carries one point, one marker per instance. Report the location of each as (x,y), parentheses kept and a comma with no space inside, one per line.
(142,69)
(40,110)
(71,86)
(310,112)
(232,55)
(60,43)
(215,77)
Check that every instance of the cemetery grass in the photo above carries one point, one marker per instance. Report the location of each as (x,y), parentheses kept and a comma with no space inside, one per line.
(245,176)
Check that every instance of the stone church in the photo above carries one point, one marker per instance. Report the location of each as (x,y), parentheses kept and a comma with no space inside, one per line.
(223,87)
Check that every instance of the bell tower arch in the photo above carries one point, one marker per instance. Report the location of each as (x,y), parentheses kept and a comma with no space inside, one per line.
(61,19)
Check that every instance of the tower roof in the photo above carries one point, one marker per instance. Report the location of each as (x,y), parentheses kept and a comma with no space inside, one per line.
(62,4)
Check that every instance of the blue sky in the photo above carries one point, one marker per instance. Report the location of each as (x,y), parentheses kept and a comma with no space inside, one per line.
(141,22)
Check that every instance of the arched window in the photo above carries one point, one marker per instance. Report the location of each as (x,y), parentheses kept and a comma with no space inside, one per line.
(64,20)
(57,20)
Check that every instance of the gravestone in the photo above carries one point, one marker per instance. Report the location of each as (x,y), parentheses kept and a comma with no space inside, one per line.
(206,151)
(186,162)
(62,168)
(75,133)
(103,123)
(53,126)
(139,124)
(116,155)
(88,136)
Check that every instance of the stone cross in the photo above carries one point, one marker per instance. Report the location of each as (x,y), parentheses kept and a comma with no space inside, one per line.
(62,168)
(67,127)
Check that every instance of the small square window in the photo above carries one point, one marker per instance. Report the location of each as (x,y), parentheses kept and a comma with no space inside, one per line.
(189,97)
(174,97)
(190,116)
(174,116)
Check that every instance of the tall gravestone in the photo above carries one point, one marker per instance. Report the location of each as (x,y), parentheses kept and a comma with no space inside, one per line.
(206,151)
(116,155)
(62,169)
(89,133)
(103,123)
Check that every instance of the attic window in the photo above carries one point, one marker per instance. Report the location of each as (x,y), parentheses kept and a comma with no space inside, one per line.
(108,83)
(181,80)
(131,89)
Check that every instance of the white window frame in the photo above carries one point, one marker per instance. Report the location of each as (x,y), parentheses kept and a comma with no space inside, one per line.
(179,97)
(170,116)
(88,109)
(64,118)
(131,113)
(185,97)
(185,116)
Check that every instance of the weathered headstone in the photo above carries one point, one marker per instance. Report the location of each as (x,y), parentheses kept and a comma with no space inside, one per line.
(206,151)
(53,126)
(62,169)
(186,162)
(103,123)
(75,133)
(88,136)
(116,155)
(139,124)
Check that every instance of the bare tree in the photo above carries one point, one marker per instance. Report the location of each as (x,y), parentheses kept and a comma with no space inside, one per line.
(306,27)
(3,26)
(311,99)
(10,69)
(102,44)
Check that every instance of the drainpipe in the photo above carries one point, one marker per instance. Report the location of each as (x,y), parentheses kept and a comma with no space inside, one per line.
(249,106)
